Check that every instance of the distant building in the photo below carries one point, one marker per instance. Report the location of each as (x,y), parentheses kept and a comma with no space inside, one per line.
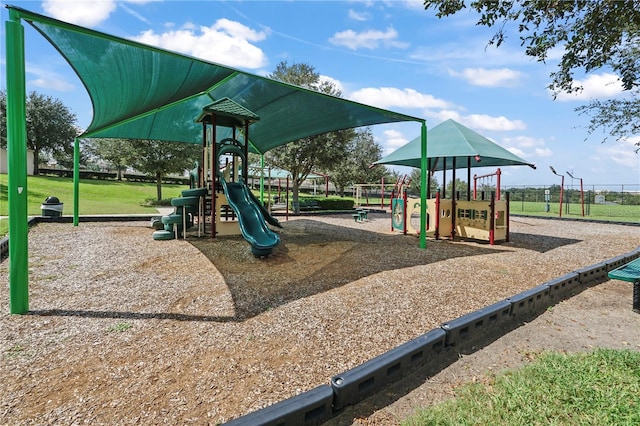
(3,161)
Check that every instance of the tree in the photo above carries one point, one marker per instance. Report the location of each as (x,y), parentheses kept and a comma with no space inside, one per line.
(616,117)
(51,127)
(318,152)
(355,167)
(460,186)
(158,158)
(415,182)
(594,35)
(116,152)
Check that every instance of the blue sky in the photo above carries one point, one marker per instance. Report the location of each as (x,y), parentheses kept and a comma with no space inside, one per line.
(390,54)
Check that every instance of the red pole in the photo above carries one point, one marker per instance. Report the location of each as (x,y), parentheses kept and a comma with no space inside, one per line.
(404,202)
(286,207)
(475,187)
(498,173)
(382,192)
(582,196)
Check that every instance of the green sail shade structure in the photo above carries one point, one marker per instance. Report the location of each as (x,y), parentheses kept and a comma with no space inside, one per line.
(142,92)
(451,140)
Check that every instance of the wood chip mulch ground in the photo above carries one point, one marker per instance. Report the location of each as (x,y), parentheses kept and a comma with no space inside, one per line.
(127,330)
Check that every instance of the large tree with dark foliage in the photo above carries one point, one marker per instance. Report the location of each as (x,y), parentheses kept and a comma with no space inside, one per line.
(51,127)
(158,158)
(313,153)
(356,165)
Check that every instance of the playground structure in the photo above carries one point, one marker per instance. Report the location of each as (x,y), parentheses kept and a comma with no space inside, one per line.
(482,217)
(364,193)
(219,199)
(452,146)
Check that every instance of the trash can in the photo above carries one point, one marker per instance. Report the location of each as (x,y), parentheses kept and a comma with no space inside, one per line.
(52,207)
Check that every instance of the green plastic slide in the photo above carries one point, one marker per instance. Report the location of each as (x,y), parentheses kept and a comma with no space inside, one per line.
(251,219)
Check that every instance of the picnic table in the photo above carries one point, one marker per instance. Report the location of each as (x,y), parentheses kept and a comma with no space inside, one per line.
(629,272)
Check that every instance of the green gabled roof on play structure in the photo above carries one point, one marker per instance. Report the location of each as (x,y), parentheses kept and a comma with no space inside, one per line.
(449,140)
(143,92)
(228,113)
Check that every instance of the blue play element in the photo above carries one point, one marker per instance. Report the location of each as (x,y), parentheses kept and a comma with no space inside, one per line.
(251,219)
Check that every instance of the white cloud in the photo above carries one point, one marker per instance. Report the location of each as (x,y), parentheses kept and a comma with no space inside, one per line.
(392,140)
(622,153)
(46,79)
(89,13)
(487,122)
(231,39)
(497,77)
(481,122)
(527,147)
(53,84)
(543,152)
(79,12)
(594,86)
(359,16)
(413,4)
(388,97)
(370,39)
(478,122)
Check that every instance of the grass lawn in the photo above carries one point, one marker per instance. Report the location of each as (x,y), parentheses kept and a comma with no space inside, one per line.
(96,196)
(612,212)
(597,388)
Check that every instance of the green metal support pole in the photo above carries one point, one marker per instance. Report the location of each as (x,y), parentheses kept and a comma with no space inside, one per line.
(423,187)
(17,166)
(76,180)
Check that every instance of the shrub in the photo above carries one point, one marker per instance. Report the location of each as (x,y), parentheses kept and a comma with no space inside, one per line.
(335,203)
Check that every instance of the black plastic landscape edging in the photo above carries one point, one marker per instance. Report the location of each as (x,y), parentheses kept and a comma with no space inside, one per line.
(435,348)
(354,385)
(308,408)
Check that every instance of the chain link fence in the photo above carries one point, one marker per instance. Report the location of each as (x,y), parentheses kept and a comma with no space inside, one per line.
(601,201)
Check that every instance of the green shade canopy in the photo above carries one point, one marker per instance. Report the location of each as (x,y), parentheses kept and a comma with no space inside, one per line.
(449,140)
(142,92)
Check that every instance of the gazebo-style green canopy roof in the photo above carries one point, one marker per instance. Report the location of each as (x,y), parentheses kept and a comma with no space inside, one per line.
(143,92)
(451,140)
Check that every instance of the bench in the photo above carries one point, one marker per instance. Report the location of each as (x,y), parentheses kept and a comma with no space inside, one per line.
(308,205)
(360,215)
(630,273)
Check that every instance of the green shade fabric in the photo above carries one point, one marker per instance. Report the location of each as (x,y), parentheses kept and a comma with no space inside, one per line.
(142,92)
(449,140)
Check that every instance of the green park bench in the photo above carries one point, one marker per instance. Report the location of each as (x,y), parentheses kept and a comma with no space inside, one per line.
(306,205)
(360,215)
(629,272)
